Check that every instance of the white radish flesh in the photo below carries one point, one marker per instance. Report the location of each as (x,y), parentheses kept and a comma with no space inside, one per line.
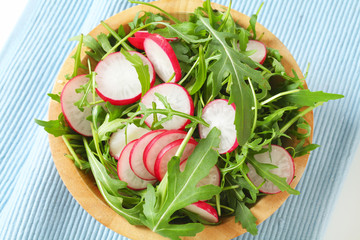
(168,152)
(122,136)
(117,80)
(204,210)
(137,155)
(153,149)
(260,54)
(126,174)
(220,114)
(212,178)
(74,117)
(163,57)
(179,100)
(285,168)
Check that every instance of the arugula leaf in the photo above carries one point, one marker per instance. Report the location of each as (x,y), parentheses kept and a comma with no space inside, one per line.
(141,69)
(306,98)
(179,190)
(77,58)
(201,74)
(109,189)
(263,169)
(55,127)
(238,66)
(54,96)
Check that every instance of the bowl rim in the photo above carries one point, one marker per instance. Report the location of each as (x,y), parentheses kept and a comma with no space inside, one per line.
(82,185)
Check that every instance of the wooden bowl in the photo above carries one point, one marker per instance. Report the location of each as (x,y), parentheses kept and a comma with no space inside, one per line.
(82,186)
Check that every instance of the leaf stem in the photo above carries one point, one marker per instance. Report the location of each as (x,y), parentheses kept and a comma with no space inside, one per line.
(156,7)
(117,37)
(181,148)
(78,162)
(279,95)
(300,114)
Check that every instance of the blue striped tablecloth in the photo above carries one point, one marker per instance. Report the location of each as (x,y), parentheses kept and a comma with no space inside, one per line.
(35,204)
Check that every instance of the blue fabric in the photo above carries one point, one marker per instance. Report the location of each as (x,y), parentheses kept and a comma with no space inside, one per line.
(35,204)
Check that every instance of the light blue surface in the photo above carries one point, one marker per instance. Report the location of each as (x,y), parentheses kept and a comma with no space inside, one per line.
(35,204)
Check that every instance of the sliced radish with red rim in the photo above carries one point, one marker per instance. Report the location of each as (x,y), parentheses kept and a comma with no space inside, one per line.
(74,117)
(285,168)
(137,42)
(163,57)
(204,210)
(153,149)
(122,136)
(139,38)
(126,174)
(260,54)
(117,80)
(212,178)
(179,100)
(168,152)
(137,155)
(220,114)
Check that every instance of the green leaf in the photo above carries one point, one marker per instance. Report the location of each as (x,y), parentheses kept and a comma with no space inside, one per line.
(179,190)
(54,96)
(104,41)
(141,69)
(307,98)
(246,218)
(109,189)
(239,67)
(90,42)
(263,170)
(55,127)
(201,74)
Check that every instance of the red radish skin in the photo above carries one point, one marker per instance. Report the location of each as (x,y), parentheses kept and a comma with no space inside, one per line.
(218,113)
(163,57)
(145,34)
(117,80)
(260,54)
(279,157)
(137,42)
(204,210)
(126,174)
(139,38)
(74,117)
(119,138)
(213,177)
(153,149)
(178,98)
(168,152)
(137,154)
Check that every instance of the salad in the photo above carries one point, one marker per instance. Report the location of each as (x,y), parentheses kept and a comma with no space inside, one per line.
(183,123)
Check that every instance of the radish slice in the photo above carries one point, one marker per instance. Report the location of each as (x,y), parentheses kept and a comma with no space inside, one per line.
(153,149)
(74,117)
(126,174)
(117,80)
(260,54)
(168,152)
(163,57)
(119,138)
(137,42)
(137,154)
(179,100)
(204,210)
(139,38)
(285,168)
(213,177)
(220,114)
(145,34)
